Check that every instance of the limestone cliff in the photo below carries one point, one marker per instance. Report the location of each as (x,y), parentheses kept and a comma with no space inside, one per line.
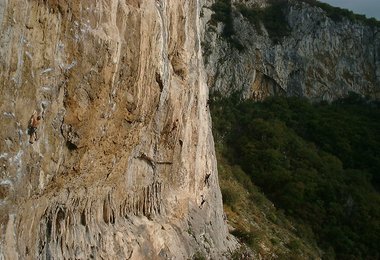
(319,58)
(124,167)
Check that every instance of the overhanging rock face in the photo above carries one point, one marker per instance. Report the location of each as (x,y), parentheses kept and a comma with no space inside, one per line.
(124,166)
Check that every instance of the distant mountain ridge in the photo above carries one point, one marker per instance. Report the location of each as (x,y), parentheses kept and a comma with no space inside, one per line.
(293,48)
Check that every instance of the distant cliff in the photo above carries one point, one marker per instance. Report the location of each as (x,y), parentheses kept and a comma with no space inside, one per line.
(124,167)
(294,48)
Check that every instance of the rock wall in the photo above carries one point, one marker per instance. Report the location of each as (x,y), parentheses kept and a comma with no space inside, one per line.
(319,59)
(124,167)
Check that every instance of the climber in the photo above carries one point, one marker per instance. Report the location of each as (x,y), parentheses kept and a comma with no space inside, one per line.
(202,201)
(207,179)
(33,124)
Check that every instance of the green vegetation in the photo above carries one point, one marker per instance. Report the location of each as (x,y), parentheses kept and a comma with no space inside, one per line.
(199,256)
(318,163)
(337,14)
(256,221)
(223,13)
(273,18)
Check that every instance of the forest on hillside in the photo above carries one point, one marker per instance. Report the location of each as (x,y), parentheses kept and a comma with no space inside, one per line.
(317,162)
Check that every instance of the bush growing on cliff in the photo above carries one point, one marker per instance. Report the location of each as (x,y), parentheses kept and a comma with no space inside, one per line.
(317,162)
(223,13)
(273,17)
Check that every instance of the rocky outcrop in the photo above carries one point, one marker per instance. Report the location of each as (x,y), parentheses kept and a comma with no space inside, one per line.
(320,58)
(124,167)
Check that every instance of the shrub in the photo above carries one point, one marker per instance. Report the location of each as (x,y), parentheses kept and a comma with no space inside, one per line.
(199,256)
(223,13)
(231,196)
(273,17)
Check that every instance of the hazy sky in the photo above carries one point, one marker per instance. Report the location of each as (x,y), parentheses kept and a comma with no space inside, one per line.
(371,8)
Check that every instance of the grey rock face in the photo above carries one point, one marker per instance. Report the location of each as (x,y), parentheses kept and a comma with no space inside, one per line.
(320,59)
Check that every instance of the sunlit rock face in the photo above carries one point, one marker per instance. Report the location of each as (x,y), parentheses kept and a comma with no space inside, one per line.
(124,165)
(320,59)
